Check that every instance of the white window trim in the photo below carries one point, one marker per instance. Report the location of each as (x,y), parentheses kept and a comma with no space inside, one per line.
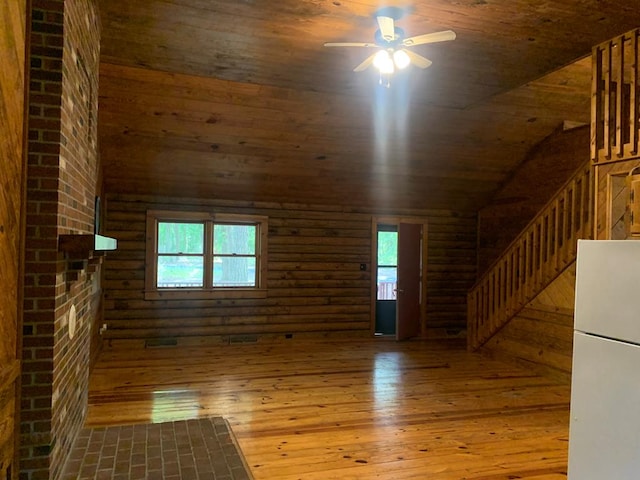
(152,292)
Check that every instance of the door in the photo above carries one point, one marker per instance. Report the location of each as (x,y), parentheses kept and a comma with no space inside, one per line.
(409,280)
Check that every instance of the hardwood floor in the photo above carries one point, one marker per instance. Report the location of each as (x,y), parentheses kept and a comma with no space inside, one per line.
(349,409)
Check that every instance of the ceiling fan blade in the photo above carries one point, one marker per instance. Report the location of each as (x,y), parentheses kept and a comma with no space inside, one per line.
(349,44)
(429,38)
(418,60)
(366,64)
(387,29)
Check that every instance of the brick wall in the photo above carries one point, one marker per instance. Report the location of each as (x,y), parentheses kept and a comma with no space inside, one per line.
(61,185)
(13,19)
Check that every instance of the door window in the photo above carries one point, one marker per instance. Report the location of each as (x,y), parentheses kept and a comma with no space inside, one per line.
(387,275)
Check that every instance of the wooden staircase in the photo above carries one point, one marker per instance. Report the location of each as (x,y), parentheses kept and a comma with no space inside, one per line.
(542,251)
(581,209)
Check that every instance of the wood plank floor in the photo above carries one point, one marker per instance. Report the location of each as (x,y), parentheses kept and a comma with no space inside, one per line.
(349,409)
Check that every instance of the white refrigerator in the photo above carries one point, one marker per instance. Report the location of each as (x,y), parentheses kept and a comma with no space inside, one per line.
(604,436)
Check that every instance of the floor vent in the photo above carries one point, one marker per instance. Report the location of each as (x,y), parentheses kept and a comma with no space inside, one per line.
(160,342)
(243,338)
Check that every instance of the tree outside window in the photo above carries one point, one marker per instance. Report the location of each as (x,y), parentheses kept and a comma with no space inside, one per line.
(194,252)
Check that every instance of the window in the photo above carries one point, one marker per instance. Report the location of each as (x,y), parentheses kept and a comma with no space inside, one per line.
(387,278)
(202,255)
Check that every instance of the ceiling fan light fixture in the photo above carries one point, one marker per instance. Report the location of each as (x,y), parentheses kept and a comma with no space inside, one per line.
(394,49)
(383,62)
(401,59)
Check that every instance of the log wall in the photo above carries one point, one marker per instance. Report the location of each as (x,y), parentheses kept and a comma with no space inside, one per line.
(315,285)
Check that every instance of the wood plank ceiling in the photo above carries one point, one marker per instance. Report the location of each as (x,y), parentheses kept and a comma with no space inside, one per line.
(239,100)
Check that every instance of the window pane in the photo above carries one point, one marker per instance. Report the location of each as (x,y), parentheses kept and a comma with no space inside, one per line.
(176,237)
(234,239)
(387,248)
(180,271)
(234,271)
(387,283)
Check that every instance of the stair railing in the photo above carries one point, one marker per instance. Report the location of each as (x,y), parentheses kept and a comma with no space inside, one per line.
(615,99)
(533,260)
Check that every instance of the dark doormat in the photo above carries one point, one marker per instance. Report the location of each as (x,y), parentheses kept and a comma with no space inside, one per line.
(198,449)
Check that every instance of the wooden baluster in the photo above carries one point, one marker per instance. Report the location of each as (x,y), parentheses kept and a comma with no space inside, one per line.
(482,330)
(479,306)
(566,218)
(494,307)
(544,220)
(498,293)
(538,254)
(554,241)
(526,250)
(516,276)
(478,316)
(471,320)
(620,122)
(634,114)
(482,315)
(490,299)
(579,206)
(571,215)
(563,231)
(507,285)
(486,326)
(530,266)
(606,71)
(505,281)
(498,296)
(478,296)
(513,280)
(522,272)
(560,232)
(584,219)
(589,212)
(596,104)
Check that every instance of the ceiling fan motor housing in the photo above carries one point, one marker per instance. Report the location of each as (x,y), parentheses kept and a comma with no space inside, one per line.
(398,37)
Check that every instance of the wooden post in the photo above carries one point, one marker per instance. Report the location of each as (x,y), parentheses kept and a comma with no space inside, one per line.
(596,76)
(607,100)
(619,118)
(633,97)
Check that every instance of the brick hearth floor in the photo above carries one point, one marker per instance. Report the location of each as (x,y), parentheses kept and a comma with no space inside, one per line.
(196,449)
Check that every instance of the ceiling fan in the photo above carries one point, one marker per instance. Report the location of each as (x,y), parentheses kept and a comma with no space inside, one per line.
(392,45)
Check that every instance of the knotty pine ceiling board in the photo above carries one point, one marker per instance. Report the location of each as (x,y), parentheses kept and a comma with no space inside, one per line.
(240,100)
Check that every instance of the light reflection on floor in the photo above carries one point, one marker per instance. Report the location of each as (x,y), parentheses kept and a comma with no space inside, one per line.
(167,402)
(386,378)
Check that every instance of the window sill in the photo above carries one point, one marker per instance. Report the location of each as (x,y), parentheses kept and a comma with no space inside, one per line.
(185,294)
